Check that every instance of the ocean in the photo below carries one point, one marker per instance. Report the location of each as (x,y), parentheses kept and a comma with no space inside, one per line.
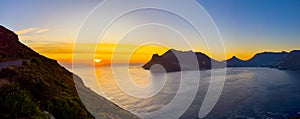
(247,92)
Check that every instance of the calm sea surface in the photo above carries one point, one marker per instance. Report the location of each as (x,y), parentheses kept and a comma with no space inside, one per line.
(247,92)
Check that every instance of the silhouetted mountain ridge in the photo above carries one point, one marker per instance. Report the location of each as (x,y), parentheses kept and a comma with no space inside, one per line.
(291,61)
(174,60)
(266,59)
(236,62)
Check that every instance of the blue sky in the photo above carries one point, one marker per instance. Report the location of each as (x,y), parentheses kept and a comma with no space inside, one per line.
(246,25)
(269,19)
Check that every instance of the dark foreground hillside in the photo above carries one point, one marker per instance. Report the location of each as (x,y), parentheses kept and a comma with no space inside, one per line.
(33,86)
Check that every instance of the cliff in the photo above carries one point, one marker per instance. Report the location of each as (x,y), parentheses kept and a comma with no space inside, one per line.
(33,86)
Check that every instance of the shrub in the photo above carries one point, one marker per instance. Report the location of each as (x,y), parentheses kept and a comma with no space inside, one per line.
(66,108)
(18,103)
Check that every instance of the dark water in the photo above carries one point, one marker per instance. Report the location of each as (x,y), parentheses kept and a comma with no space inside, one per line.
(247,93)
(255,93)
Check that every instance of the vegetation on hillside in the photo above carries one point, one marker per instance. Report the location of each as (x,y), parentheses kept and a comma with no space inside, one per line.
(45,86)
(16,102)
(39,87)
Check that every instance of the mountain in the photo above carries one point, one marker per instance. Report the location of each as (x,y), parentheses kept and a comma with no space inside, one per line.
(11,48)
(33,86)
(236,62)
(280,60)
(266,59)
(174,60)
(291,61)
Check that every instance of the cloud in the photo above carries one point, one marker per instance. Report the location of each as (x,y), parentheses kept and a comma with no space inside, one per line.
(24,31)
(41,30)
(31,30)
(25,37)
(30,35)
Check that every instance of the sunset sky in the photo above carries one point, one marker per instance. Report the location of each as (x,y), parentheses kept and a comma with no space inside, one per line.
(247,27)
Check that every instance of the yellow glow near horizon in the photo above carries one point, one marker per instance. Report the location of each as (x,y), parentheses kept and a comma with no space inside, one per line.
(122,53)
(105,52)
(126,53)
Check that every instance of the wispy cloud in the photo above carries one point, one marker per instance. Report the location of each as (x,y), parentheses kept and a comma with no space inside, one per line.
(30,35)
(42,30)
(31,30)
(28,30)
(25,37)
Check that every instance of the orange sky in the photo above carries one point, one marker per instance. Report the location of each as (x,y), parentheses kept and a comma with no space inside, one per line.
(106,52)
(246,29)
(118,53)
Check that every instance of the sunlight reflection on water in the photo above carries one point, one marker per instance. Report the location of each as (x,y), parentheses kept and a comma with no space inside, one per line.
(248,92)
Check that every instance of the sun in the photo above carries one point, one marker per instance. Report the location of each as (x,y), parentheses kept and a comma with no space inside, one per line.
(97,60)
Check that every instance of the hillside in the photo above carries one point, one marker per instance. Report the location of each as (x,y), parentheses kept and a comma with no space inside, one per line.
(33,86)
(11,48)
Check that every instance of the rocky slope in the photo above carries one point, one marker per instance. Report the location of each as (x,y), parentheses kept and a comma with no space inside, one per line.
(11,48)
(38,87)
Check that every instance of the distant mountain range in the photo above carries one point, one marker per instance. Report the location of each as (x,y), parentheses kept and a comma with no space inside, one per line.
(291,61)
(33,86)
(235,62)
(265,59)
(169,61)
